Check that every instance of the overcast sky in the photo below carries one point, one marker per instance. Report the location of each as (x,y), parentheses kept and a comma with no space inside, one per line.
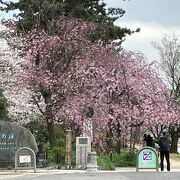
(154,17)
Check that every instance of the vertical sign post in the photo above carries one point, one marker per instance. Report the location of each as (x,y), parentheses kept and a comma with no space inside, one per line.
(68,149)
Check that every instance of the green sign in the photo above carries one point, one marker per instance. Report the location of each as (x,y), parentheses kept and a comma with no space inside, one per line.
(83,140)
(8,142)
(147,159)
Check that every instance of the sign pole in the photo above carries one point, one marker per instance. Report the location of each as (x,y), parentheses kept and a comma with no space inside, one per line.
(68,149)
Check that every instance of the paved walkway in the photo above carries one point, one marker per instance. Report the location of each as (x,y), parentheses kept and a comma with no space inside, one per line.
(174,164)
(175,167)
(10,174)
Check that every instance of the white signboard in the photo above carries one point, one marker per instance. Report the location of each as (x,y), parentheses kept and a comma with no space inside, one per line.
(83,146)
(24,159)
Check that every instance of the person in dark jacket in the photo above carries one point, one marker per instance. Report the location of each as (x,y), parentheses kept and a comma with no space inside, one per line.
(164,144)
(149,141)
(144,143)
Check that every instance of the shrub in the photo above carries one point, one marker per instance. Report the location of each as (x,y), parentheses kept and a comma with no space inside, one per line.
(56,155)
(124,159)
(104,163)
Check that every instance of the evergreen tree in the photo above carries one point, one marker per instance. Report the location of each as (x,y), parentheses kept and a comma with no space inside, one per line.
(39,130)
(44,12)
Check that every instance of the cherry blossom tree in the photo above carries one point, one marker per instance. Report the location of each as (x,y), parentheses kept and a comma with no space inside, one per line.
(21,107)
(130,94)
(104,92)
(169,49)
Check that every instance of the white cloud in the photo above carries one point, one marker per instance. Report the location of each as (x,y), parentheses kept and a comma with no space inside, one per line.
(150,32)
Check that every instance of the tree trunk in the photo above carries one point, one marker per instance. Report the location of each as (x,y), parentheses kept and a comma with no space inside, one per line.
(175,134)
(52,134)
(118,143)
(174,141)
(131,138)
(49,117)
(109,136)
(136,134)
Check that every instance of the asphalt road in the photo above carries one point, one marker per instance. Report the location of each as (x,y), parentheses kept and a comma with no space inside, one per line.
(104,176)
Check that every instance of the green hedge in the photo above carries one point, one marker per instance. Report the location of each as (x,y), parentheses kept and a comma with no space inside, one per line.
(104,163)
(124,159)
(55,155)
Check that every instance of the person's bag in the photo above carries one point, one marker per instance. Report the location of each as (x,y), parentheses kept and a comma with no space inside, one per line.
(156,145)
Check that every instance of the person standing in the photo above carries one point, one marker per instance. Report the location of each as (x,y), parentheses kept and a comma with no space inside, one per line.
(164,144)
(149,141)
(144,142)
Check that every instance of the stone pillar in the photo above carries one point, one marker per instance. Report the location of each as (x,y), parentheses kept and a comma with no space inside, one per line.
(91,162)
(83,146)
(68,149)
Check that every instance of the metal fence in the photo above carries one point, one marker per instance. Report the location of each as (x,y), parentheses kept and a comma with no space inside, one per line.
(25,158)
